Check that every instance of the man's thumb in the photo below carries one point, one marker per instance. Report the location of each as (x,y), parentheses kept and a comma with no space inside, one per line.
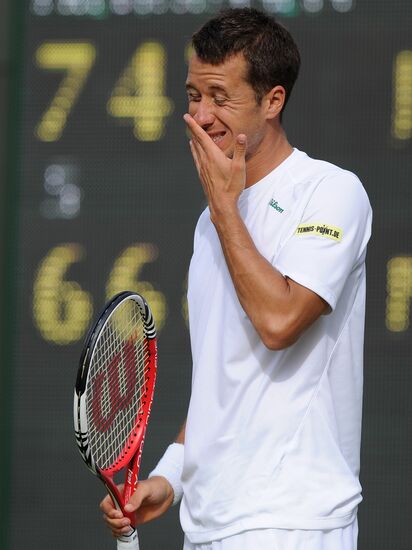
(137,497)
(240,147)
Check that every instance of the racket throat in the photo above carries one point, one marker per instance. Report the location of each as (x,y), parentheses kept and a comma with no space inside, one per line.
(131,475)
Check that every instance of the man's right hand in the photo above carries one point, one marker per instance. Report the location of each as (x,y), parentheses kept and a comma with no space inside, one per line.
(152,498)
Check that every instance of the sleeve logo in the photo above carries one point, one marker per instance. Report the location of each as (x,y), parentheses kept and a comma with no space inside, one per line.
(323,230)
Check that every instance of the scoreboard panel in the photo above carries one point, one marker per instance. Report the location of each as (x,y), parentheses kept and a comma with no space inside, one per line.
(104,197)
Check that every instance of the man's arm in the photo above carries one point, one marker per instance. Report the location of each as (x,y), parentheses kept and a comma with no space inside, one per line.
(279,308)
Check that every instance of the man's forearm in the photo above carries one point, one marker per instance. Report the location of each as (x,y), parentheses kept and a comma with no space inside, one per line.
(279,308)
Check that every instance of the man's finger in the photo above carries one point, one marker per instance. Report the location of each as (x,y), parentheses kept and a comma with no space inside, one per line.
(201,154)
(198,134)
(114,514)
(116,523)
(193,126)
(240,149)
(195,156)
(108,508)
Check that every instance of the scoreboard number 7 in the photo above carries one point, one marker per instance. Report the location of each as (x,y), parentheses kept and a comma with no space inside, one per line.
(77,59)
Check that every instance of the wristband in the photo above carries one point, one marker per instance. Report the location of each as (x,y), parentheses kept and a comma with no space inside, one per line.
(170,466)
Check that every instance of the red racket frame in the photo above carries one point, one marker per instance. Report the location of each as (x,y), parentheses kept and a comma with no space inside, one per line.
(130,457)
(132,452)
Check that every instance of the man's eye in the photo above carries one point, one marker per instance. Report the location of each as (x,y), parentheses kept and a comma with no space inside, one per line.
(192,97)
(219,100)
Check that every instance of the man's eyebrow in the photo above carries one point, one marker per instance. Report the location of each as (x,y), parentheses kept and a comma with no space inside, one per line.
(212,88)
(217,88)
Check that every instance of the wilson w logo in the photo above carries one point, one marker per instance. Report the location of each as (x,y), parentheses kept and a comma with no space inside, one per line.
(114,389)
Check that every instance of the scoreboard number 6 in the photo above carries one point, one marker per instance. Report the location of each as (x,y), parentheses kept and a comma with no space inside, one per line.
(62,310)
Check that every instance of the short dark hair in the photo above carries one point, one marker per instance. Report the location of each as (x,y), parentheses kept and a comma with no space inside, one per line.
(271,53)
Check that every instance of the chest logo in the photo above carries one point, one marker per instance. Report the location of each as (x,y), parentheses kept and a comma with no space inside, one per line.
(274,204)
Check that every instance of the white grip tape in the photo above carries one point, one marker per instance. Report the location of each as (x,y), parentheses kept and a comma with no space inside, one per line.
(170,466)
(130,542)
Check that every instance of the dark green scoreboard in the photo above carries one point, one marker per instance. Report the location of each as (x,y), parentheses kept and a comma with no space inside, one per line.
(102,196)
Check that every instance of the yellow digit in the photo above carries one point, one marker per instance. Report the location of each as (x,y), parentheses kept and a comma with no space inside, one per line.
(399,293)
(125,276)
(402,96)
(140,93)
(62,310)
(77,58)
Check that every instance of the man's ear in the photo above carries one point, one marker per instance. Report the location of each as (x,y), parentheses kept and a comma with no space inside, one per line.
(275,100)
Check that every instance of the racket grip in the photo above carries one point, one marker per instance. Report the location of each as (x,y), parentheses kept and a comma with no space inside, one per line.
(128,542)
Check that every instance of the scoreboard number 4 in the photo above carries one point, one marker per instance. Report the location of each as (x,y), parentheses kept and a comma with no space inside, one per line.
(139,93)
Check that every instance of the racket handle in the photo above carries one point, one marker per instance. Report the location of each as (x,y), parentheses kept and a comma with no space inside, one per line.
(128,542)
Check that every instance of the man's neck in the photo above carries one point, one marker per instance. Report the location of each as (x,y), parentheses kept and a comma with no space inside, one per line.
(271,153)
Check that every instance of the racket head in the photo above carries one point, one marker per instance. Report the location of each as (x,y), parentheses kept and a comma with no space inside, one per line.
(114,387)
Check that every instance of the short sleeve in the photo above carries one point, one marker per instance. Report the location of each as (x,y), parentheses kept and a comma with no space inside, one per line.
(330,239)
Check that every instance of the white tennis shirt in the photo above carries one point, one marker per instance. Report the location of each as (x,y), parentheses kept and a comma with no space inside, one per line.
(273,437)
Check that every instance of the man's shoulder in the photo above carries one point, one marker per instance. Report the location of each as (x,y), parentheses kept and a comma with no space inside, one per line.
(319,169)
(328,179)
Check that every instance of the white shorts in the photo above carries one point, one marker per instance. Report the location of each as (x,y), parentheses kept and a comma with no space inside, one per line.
(344,538)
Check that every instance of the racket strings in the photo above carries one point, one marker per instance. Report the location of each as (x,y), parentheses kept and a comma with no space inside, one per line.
(116,434)
(120,375)
(109,448)
(117,383)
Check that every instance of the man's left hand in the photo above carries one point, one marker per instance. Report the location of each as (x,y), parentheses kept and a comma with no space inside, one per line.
(223,179)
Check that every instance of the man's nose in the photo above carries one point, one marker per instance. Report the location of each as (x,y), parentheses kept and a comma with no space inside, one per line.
(204,114)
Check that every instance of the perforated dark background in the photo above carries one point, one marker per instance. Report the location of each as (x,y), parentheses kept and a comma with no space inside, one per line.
(145,194)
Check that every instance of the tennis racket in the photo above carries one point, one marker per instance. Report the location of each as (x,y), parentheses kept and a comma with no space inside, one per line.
(113,396)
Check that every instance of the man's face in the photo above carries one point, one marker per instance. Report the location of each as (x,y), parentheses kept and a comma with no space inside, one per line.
(224,104)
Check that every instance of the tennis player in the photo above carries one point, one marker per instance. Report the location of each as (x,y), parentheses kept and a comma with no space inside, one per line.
(269,456)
